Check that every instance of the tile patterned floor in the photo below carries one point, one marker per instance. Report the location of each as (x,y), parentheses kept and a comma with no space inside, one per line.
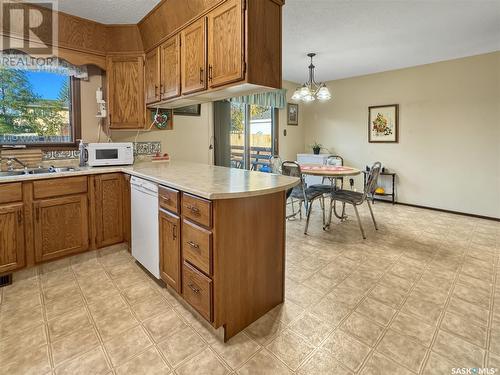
(420,296)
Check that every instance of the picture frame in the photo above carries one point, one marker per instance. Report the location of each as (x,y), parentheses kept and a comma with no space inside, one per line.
(190,110)
(292,114)
(383,123)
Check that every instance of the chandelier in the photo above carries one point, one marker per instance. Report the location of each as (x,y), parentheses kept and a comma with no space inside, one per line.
(311,90)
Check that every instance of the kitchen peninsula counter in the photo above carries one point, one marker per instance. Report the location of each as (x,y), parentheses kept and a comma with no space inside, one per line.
(206,181)
(221,231)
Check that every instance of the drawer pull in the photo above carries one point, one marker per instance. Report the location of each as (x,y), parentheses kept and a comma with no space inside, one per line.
(19,217)
(166,199)
(194,210)
(193,244)
(174,232)
(194,288)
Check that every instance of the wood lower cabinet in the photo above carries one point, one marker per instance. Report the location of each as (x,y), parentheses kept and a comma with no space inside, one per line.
(152,76)
(194,57)
(61,226)
(170,249)
(12,249)
(170,68)
(197,290)
(127,219)
(109,206)
(225,44)
(125,83)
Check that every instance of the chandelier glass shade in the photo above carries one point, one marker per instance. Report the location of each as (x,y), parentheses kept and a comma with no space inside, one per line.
(312,90)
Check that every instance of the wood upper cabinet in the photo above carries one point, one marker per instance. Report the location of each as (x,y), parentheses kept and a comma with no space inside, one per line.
(60,226)
(170,249)
(225,44)
(125,82)
(11,237)
(152,76)
(170,68)
(109,206)
(194,57)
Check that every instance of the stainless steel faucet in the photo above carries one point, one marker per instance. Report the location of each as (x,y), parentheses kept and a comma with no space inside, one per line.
(10,163)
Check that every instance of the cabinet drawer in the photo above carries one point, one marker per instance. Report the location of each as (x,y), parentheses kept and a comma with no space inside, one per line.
(197,290)
(197,209)
(57,187)
(168,199)
(11,193)
(197,246)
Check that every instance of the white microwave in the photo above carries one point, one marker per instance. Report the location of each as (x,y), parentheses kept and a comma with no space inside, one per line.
(102,154)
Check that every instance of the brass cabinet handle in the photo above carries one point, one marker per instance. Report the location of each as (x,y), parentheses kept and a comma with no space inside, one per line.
(194,288)
(19,217)
(174,231)
(194,210)
(201,74)
(210,78)
(166,199)
(193,244)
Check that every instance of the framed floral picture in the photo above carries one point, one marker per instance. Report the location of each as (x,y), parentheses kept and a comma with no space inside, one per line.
(383,124)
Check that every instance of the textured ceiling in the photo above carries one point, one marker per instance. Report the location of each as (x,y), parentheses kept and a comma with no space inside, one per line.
(353,37)
(358,37)
(108,11)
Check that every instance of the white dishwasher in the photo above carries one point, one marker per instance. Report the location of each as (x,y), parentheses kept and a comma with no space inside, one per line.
(145,232)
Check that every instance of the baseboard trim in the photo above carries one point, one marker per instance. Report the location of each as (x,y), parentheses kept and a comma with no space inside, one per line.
(442,210)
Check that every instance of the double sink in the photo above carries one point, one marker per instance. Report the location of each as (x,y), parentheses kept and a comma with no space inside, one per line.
(37,171)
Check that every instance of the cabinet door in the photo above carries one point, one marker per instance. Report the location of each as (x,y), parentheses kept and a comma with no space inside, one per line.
(170,73)
(152,76)
(61,226)
(127,223)
(170,250)
(125,81)
(11,237)
(225,44)
(193,57)
(109,209)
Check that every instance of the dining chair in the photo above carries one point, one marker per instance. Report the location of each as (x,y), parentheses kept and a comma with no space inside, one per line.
(301,192)
(356,199)
(275,163)
(333,160)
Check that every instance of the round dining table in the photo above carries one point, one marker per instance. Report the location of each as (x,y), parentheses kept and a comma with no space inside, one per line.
(331,172)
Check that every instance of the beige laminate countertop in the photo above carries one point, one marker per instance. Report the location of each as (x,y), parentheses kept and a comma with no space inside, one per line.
(204,180)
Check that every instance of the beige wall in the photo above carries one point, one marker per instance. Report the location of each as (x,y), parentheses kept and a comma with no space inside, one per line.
(448,155)
(189,140)
(191,136)
(293,143)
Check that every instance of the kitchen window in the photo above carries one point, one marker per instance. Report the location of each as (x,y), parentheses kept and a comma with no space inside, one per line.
(39,109)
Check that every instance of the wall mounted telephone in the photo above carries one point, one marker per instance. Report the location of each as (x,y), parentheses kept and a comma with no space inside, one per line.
(101,104)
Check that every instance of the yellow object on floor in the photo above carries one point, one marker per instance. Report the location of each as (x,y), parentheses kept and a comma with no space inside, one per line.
(379,190)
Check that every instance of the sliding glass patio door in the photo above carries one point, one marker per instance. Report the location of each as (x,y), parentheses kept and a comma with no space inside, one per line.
(246,135)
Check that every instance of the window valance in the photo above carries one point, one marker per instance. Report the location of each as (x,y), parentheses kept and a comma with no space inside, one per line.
(19,60)
(274,98)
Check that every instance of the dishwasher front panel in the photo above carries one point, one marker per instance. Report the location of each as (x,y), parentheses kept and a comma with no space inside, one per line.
(145,232)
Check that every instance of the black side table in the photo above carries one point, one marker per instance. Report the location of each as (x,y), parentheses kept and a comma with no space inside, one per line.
(392,194)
